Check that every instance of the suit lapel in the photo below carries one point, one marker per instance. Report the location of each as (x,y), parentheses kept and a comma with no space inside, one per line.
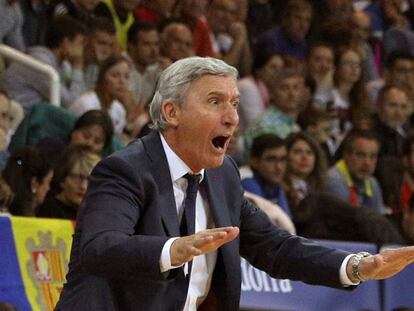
(162,176)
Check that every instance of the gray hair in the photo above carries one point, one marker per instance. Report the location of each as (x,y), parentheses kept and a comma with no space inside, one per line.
(175,80)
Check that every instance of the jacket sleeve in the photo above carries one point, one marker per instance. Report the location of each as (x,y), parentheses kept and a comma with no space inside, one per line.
(112,209)
(286,256)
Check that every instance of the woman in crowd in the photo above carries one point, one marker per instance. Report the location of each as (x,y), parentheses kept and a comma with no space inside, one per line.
(348,95)
(306,168)
(69,183)
(28,174)
(320,215)
(110,93)
(94,128)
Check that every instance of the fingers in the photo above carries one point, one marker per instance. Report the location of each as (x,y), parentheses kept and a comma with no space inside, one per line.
(185,248)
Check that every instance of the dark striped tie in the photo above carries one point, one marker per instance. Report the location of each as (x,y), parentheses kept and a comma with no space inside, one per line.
(187,226)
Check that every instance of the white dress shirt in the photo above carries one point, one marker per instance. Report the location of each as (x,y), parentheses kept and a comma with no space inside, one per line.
(203,265)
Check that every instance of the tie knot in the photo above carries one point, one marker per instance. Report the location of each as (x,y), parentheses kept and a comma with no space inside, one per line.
(193,181)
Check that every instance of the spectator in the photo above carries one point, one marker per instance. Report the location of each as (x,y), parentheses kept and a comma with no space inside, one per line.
(28,174)
(268,158)
(317,123)
(193,12)
(82,10)
(348,94)
(320,66)
(64,46)
(290,37)
(34,21)
(5,130)
(260,18)
(120,12)
(100,45)
(306,169)
(280,117)
(111,89)
(254,89)
(361,26)
(154,11)
(144,52)
(397,195)
(176,40)
(391,121)
(351,179)
(11,23)
(229,35)
(94,129)
(69,183)
(399,71)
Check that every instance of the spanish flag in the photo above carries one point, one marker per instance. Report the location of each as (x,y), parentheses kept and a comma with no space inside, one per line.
(34,257)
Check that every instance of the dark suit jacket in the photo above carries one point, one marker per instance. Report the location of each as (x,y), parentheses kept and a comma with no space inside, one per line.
(129,213)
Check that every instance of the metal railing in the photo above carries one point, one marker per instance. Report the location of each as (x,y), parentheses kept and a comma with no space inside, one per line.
(54,95)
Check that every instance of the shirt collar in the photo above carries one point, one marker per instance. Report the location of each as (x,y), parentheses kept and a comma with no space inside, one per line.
(177,166)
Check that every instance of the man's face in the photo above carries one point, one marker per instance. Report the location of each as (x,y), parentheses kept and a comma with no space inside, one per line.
(200,130)
(270,71)
(178,42)
(221,14)
(287,94)
(74,47)
(103,45)
(320,62)
(394,108)
(361,24)
(271,165)
(297,24)
(146,51)
(5,107)
(361,161)
(401,74)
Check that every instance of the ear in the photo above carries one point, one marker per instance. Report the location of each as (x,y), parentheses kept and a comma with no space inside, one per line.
(171,113)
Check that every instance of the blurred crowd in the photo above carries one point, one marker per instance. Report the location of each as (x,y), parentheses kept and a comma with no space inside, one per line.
(325,142)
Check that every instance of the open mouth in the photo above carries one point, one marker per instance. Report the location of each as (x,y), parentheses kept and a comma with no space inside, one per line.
(220,141)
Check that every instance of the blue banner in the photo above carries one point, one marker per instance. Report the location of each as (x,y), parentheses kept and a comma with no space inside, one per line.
(399,290)
(12,289)
(263,292)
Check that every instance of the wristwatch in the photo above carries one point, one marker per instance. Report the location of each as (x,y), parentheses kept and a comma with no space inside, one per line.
(355,265)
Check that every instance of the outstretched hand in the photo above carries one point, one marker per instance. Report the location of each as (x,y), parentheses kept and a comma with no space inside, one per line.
(386,264)
(185,248)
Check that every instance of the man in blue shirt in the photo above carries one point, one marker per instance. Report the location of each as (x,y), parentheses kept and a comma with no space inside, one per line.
(268,162)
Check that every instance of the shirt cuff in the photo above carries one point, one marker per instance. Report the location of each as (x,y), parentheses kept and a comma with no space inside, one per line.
(343,276)
(165,260)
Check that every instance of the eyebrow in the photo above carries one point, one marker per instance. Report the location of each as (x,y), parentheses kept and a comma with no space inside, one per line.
(218,93)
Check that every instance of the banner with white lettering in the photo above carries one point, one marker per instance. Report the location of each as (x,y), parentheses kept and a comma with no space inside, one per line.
(261,291)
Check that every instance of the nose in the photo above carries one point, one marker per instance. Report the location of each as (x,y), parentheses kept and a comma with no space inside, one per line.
(231,116)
